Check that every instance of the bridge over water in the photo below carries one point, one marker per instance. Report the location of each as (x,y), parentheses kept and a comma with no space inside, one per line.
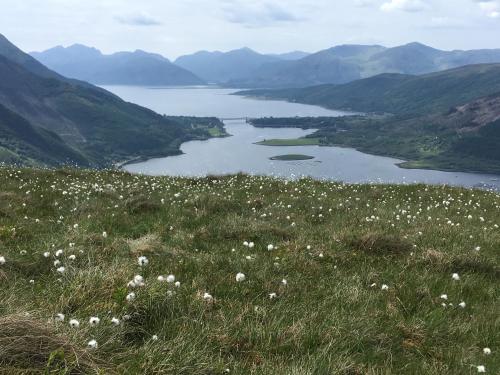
(246,119)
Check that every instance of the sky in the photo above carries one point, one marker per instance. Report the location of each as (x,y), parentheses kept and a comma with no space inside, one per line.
(177,27)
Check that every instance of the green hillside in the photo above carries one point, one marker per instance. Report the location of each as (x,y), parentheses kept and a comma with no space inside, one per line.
(100,127)
(399,94)
(22,143)
(342,279)
(448,120)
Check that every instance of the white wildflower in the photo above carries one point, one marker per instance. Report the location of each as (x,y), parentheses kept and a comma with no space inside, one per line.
(92,344)
(143,261)
(170,279)
(60,317)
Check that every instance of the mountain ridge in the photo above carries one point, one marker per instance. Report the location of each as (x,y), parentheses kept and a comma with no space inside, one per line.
(121,68)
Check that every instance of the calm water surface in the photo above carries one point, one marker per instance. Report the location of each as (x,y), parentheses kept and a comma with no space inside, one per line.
(238,153)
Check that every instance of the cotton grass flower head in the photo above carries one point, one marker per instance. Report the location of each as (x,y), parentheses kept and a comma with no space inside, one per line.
(455,277)
(73,323)
(2,260)
(481,369)
(384,287)
(94,321)
(46,254)
(92,344)
(61,269)
(487,351)
(240,277)
(161,278)
(272,295)
(208,297)
(462,305)
(143,261)
(115,321)
(270,247)
(59,317)
(130,297)
(170,279)
(138,281)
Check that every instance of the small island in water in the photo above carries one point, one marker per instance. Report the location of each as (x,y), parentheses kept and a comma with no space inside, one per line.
(290,157)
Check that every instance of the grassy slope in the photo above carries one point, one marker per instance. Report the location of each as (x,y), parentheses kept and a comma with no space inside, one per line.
(25,144)
(326,320)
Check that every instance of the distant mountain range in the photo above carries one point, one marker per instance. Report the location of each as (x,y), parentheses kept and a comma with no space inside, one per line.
(122,68)
(223,67)
(348,63)
(245,68)
(48,119)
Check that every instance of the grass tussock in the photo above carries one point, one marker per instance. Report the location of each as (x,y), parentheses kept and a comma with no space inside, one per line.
(244,275)
(379,244)
(28,345)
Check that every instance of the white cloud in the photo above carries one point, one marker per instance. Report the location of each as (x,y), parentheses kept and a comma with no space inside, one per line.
(258,13)
(490,8)
(404,5)
(447,23)
(364,3)
(138,19)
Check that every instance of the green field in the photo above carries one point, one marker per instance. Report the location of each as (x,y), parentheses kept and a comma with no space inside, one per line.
(290,157)
(353,283)
(290,142)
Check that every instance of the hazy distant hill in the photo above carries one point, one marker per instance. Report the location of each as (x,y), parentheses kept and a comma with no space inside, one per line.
(122,68)
(335,65)
(50,119)
(347,63)
(399,93)
(222,67)
(291,56)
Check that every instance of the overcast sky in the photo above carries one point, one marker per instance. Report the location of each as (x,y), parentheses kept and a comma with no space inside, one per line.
(176,27)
